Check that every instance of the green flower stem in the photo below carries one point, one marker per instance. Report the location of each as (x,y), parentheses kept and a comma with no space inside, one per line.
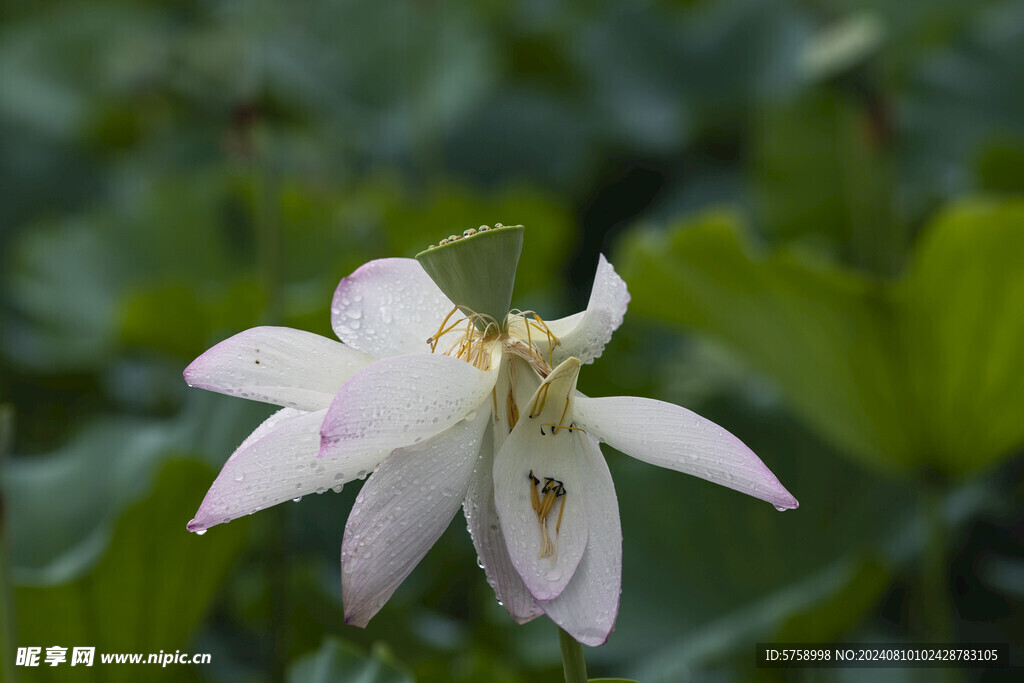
(573,663)
(936,605)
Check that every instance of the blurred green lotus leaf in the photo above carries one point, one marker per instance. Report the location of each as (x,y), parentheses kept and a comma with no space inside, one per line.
(822,173)
(147,593)
(337,660)
(61,504)
(919,373)
(836,613)
(962,331)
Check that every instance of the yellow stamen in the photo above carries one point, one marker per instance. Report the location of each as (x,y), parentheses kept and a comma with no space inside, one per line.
(551,491)
(541,399)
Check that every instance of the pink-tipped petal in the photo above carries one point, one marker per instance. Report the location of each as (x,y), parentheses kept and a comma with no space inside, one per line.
(538,487)
(589,605)
(549,457)
(669,436)
(276,463)
(401,512)
(401,401)
(482,521)
(585,334)
(277,365)
(388,307)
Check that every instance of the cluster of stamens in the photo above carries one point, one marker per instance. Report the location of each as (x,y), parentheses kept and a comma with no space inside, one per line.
(472,333)
(521,326)
(469,232)
(550,491)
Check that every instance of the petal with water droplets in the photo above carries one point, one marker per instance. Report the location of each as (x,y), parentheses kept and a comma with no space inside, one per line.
(278,365)
(589,605)
(388,307)
(400,513)
(482,521)
(276,463)
(669,436)
(400,401)
(539,490)
(585,334)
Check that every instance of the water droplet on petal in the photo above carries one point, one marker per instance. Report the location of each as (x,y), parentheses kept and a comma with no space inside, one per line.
(296,500)
(200,532)
(780,508)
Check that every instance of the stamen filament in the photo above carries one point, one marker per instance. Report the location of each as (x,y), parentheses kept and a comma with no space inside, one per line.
(551,491)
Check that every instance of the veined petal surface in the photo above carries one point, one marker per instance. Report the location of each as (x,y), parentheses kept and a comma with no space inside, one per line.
(539,491)
(277,365)
(484,528)
(388,307)
(589,605)
(670,436)
(585,334)
(555,457)
(400,513)
(276,463)
(400,401)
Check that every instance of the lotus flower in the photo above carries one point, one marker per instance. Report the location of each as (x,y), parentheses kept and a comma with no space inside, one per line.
(449,408)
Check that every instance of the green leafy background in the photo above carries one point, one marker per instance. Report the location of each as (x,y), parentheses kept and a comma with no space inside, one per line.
(818,206)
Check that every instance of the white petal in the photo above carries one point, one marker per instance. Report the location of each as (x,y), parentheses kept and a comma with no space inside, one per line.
(388,307)
(482,521)
(277,365)
(401,512)
(554,456)
(542,449)
(588,606)
(585,334)
(276,463)
(400,401)
(669,436)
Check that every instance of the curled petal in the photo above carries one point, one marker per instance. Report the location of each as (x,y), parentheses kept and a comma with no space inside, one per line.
(669,436)
(401,401)
(589,605)
(388,307)
(401,512)
(539,490)
(276,463)
(482,520)
(585,334)
(546,572)
(277,365)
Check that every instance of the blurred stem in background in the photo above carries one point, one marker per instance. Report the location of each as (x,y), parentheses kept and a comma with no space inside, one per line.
(8,643)
(573,663)
(935,609)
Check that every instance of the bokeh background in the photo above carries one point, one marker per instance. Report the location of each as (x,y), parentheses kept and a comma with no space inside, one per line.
(817,205)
